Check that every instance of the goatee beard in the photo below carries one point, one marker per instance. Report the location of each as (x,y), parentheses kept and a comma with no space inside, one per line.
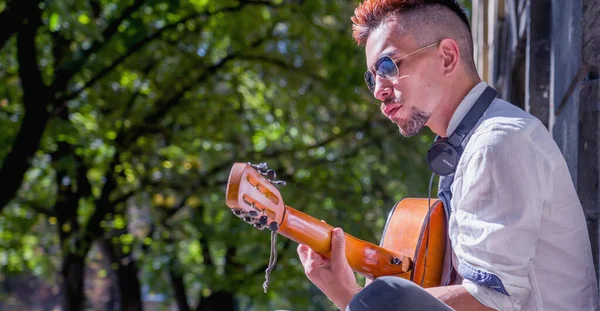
(415,123)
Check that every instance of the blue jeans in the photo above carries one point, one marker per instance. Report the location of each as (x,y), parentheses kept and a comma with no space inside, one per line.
(389,293)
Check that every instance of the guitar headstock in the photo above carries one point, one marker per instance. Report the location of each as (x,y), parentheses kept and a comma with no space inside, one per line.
(252,196)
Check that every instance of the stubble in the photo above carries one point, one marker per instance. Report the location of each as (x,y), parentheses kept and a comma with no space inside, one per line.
(415,123)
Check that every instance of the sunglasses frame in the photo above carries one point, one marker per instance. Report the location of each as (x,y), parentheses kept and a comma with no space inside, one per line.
(394,61)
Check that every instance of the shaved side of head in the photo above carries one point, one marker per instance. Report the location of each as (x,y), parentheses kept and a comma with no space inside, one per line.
(432,23)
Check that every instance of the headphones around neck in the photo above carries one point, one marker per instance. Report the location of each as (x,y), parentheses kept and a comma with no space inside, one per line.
(444,154)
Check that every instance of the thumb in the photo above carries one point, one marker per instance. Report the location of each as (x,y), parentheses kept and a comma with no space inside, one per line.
(338,246)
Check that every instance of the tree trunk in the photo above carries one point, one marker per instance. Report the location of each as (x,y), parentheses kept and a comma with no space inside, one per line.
(65,208)
(35,100)
(24,147)
(129,287)
(73,269)
(130,296)
(10,20)
(179,290)
(218,301)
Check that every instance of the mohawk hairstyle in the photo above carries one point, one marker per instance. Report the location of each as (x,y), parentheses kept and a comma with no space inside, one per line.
(370,13)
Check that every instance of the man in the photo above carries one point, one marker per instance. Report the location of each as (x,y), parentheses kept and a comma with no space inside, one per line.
(518,234)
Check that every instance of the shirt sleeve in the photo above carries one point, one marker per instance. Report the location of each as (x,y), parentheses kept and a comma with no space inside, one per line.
(497,214)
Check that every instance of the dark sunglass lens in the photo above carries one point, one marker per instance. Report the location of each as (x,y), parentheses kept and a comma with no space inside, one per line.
(370,80)
(386,67)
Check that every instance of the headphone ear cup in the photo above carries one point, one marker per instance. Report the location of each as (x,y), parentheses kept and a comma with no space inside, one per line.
(442,158)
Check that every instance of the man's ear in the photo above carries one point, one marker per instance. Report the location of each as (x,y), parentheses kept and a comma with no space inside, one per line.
(450,54)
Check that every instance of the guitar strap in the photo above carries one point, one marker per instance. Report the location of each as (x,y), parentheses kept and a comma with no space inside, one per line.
(449,274)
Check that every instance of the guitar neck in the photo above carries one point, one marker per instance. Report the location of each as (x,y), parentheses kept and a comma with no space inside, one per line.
(365,258)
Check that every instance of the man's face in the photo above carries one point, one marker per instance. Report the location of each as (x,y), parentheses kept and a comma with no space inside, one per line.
(409,99)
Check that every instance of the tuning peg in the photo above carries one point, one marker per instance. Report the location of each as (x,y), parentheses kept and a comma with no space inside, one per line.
(261,167)
(277,182)
(274,226)
(270,174)
(259,227)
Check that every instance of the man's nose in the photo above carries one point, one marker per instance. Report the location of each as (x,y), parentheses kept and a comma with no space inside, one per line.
(383,88)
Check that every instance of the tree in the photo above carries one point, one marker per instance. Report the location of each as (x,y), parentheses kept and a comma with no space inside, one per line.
(138,109)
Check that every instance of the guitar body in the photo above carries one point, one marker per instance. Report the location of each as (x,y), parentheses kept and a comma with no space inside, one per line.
(412,245)
(409,225)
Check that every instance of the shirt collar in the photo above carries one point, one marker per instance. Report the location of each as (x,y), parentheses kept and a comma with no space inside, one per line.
(464,107)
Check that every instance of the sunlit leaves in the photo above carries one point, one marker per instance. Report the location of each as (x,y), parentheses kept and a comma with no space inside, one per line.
(54,22)
(166,123)
(83,19)
(21,248)
(128,79)
(199,5)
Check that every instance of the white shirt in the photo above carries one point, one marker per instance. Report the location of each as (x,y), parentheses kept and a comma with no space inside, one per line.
(516,215)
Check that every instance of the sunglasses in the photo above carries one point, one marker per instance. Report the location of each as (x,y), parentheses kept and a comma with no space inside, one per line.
(387,68)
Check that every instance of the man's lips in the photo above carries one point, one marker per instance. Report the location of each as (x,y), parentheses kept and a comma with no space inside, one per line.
(391,110)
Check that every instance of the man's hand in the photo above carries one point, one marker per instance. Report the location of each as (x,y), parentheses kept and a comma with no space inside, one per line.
(333,276)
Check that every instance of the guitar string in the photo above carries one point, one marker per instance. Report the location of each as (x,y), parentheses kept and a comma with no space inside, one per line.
(428,227)
(273,250)
(272,260)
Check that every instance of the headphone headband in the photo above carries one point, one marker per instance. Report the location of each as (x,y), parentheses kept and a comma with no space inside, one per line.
(444,154)
(468,122)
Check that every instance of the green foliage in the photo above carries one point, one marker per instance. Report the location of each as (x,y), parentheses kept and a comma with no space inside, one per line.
(167,104)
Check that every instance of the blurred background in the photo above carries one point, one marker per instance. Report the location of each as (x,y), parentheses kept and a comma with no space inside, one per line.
(120,121)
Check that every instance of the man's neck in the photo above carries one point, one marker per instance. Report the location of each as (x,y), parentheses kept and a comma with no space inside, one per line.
(440,118)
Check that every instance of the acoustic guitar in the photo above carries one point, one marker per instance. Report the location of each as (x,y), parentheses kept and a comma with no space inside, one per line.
(412,245)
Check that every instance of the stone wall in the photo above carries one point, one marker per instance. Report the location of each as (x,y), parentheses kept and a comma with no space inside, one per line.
(576,99)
